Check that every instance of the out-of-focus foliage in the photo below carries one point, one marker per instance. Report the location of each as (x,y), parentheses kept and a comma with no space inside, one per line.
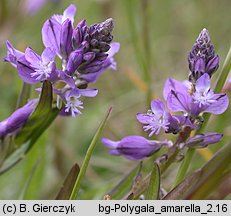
(172,27)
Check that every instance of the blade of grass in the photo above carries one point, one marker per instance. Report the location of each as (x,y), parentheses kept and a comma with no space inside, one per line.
(87,158)
(68,184)
(154,184)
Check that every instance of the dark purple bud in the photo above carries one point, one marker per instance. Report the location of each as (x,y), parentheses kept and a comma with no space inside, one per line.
(104,47)
(17,120)
(203,140)
(77,37)
(74,61)
(66,38)
(89,56)
(93,67)
(212,65)
(102,56)
(199,66)
(134,147)
(200,56)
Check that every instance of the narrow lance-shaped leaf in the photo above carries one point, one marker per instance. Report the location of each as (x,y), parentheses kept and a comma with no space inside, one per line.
(154,184)
(87,158)
(66,189)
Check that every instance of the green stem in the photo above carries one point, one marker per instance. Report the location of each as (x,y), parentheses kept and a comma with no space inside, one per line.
(184,166)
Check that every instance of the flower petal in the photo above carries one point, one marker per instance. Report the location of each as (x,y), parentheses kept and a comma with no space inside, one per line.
(218,107)
(51,35)
(203,83)
(69,13)
(48,55)
(172,84)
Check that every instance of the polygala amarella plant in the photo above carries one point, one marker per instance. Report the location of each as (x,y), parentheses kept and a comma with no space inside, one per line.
(85,53)
(188,99)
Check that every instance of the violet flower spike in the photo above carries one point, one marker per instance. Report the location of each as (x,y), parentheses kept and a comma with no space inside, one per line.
(134,147)
(202,58)
(181,98)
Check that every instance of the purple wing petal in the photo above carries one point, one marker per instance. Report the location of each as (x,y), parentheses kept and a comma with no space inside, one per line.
(48,55)
(203,83)
(32,57)
(66,38)
(69,13)
(51,34)
(158,107)
(25,71)
(218,107)
(179,102)
(115,46)
(172,84)
(143,118)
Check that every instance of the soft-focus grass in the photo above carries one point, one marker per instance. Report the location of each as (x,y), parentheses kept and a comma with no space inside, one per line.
(174,26)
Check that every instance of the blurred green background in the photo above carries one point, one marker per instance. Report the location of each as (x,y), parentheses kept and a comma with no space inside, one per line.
(155,37)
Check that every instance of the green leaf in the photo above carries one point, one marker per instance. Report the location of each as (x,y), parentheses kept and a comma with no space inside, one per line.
(154,184)
(87,158)
(66,189)
(203,181)
(38,122)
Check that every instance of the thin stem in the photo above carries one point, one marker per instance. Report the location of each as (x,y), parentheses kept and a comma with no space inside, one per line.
(184,166)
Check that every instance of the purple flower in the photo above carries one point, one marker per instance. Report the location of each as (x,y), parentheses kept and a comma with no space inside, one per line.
(18,118)
(194,100)
(12,54)
(33,68)
(202,58)
(134,147)
(72,101)
(203,140)
(158,118)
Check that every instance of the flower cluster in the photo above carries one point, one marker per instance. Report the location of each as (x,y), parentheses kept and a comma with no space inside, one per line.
(85,53)
(190,99)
